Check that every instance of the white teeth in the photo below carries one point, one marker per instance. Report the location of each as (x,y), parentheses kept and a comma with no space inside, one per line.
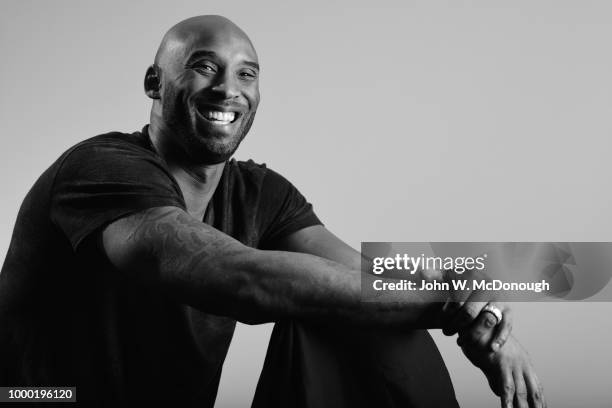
(221,117)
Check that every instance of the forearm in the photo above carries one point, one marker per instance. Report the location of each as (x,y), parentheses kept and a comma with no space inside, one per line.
(205,268)
(271,285)
(459,314)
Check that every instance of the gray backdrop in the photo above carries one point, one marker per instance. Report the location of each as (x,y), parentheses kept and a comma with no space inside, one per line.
(400,121)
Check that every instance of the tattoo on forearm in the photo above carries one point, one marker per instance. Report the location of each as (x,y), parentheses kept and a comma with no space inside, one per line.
(177,233)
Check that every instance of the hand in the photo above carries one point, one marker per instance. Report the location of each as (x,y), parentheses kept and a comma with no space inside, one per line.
(464,309)
(485,331)
(510,373)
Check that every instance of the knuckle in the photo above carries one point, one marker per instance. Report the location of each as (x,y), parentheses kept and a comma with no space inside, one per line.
(522,394)
(508,325)
(490,320)
(537,396)
(481,343)
(500,338)
(508,389)
(469,311)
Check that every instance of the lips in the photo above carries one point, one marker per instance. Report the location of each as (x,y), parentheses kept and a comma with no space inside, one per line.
(219,117)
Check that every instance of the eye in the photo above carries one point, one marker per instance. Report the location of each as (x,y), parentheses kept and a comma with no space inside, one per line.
(248,75)
(205,67)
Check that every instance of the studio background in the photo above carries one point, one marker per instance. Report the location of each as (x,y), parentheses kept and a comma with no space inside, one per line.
(399,121)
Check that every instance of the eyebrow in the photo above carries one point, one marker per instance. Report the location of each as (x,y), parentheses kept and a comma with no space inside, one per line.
(211,54)
(252,64)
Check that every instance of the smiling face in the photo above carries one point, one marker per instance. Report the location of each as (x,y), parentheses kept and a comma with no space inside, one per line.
(209,88)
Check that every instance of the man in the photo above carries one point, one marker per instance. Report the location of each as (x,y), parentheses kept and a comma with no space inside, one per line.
(134,254)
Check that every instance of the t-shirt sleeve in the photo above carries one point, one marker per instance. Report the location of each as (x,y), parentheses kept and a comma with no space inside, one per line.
(285,209)
(99,182)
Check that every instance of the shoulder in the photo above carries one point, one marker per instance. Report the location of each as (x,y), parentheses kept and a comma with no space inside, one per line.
(111,151)
(111,142)
(100,151)
(114,157)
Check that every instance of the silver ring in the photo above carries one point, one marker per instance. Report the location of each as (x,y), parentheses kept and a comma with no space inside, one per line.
(495,311)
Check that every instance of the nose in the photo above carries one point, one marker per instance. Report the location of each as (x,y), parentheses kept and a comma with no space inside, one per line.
(226,86)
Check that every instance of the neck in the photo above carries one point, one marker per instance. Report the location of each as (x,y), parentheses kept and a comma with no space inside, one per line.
(197,181)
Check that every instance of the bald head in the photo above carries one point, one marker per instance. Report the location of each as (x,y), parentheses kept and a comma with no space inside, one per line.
(205,88)
(188,33)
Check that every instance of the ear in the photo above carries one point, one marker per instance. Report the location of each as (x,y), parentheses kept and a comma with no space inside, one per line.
(152,83)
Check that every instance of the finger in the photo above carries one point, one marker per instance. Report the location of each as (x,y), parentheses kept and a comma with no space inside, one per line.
(507,389)
(481,332)
(502,331)
(520,390)
(455,301)
(465,316)
(449,311)
(535,393)
(460,310)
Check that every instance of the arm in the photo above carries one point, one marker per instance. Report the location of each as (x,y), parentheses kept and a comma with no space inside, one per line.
(317,240)
(164,247)
(508,370)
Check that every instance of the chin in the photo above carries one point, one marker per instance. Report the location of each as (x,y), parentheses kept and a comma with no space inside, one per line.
(213,146)
(213,151)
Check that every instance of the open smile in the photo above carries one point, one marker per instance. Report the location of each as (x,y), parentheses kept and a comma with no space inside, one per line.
(219,117)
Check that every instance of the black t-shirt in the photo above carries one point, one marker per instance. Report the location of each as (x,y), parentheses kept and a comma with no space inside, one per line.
(67,317)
